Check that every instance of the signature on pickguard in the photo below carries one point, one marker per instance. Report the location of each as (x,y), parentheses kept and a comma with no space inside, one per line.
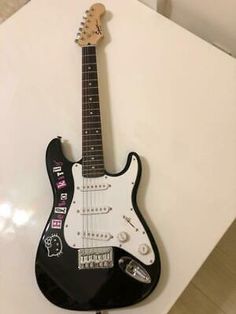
(99,30)
(128,219)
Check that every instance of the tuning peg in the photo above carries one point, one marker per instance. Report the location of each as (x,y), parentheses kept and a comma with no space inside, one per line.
(78,34)
(87,11)
(82,23)
(80,29)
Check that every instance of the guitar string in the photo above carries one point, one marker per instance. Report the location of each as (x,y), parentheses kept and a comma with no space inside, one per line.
(83,139)
(88,146)
(87,165)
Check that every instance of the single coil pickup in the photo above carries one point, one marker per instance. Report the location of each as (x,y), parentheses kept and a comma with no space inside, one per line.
(95,210)
(91,258)
(93,187)
(101,236)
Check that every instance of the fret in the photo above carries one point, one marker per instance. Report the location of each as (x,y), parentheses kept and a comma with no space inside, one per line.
(91,102)
(90,152)
(89,72)
(92,122)
(89,87)
(93,156)
(88,95)
(89,109)
(91,115)
(94,141)
(94,145)
(99,162)
(89,63)
(90,80)
(92,167)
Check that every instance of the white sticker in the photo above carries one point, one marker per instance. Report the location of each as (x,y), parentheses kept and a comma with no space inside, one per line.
(53,244)
(60,210)
(63,196)
(56,169)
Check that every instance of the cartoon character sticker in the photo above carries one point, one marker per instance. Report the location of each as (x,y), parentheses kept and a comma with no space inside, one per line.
(53,245)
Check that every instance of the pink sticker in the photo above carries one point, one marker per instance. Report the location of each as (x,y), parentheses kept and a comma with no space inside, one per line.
(61,184)
(56,224)
(62,204)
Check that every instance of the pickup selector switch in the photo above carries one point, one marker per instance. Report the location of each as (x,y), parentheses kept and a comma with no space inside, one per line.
(143,249)
(123,237)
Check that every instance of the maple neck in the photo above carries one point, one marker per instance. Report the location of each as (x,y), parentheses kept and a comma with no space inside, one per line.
(92,149)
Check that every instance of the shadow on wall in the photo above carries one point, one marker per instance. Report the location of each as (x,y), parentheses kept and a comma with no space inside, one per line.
(198,24)
(164,7)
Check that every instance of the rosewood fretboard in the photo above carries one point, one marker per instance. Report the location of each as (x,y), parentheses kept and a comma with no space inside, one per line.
(92,150)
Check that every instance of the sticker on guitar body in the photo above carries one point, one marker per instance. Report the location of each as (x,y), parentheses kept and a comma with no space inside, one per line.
(56,224)
(61,183)
(53,245)
(60,210)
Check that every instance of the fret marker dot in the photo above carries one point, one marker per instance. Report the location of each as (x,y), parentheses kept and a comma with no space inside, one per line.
(92,158)
(91,112)
(90,83)
(96,131)
(90,98)
(86,132)
(92,148)
(93,167)
(89,68)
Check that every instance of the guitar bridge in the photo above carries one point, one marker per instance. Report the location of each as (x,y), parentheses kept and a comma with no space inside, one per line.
(93,258)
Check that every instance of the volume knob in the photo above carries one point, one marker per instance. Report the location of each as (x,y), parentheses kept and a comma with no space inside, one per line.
(143,249)
(122,236)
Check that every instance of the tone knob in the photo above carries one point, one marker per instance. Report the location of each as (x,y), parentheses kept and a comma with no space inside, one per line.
(122,236)
(143,249)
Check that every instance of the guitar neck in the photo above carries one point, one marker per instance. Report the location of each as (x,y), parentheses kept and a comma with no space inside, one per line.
(92,149)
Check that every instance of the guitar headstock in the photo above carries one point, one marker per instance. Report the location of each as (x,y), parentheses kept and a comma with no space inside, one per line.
(90,31)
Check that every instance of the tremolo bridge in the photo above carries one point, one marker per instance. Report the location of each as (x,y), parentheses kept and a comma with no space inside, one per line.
(91,258)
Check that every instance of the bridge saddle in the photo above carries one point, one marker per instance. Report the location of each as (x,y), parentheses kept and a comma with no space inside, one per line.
(92,258)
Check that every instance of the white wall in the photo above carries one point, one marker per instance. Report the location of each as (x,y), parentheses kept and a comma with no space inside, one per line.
(213,20)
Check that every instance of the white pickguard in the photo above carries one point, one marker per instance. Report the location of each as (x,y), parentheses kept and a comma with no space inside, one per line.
(101,209)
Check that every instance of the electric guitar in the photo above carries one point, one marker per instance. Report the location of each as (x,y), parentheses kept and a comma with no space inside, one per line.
(96,251)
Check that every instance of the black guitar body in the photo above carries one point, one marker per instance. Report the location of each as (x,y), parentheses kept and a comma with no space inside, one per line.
(57,272)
